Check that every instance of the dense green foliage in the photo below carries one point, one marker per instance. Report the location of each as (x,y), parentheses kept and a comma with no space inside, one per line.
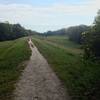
(12,54)
(80,77)
(92,40)
(13,31)
(75,33)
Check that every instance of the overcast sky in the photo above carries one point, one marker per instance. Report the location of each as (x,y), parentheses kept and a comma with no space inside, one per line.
(43,15)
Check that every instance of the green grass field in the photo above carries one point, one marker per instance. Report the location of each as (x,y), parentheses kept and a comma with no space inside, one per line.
(81,78)
(12,54)
(63,42)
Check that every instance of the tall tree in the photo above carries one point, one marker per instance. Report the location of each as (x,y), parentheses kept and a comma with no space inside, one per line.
(92,40)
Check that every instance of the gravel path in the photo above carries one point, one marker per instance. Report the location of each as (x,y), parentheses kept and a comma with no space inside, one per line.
(38,81)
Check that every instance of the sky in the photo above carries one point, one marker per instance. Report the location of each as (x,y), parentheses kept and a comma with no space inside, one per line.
(45,15)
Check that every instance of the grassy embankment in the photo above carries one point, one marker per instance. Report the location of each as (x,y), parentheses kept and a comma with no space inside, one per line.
(80,78)
(12,54)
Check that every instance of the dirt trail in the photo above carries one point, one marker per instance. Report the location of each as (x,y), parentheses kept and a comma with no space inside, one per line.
(38,81)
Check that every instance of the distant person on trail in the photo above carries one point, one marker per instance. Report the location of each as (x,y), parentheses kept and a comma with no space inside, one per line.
(30,42)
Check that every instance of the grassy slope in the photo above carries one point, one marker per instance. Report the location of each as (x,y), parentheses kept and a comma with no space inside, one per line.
(12,53)
(81,78)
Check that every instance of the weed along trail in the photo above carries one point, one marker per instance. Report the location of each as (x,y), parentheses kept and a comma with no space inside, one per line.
(38,81)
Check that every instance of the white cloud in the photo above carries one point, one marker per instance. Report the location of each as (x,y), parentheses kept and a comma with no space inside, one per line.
(28,14)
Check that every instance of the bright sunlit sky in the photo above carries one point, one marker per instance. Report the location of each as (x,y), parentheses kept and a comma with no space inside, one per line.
(43,15)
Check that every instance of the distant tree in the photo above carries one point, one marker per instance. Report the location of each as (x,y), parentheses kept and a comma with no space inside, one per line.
(4,31)
(58,32)
(13,31)
(18,30)
(75,33)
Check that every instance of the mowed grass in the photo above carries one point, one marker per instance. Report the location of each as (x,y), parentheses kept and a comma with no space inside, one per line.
(63,42)
(12,54)
(81,78)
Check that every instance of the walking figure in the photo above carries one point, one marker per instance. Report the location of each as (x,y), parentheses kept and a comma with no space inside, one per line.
(30,42)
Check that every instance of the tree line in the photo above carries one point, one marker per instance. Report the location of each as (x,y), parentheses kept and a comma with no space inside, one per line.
(74,32)
(13,31)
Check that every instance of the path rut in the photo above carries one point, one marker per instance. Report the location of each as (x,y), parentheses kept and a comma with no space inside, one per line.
(38,81)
